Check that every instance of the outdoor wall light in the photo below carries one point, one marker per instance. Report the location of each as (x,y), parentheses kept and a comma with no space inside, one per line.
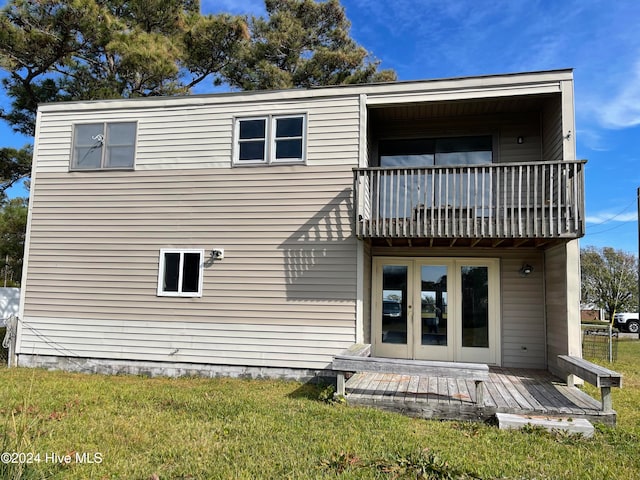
(520,140)
(217,253)
(526,270)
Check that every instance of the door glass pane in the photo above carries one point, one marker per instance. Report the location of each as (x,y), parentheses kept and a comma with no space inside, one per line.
(475,307)
(407,153)
(394,304)
(433,309)
(464,151)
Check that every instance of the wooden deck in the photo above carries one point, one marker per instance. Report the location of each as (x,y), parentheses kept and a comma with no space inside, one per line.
(518,391)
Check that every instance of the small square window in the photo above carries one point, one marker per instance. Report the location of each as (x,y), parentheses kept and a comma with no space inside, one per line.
(180,273)
(98,146)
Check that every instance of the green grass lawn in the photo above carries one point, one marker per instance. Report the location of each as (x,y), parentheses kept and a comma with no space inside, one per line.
(192,428)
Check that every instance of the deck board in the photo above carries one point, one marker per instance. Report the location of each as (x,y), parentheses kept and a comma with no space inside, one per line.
(509,390)
(510,384)
(403,386)
(412,389)
(430,387)
(522,386)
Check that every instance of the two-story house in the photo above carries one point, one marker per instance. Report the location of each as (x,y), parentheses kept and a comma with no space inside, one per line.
(262,233)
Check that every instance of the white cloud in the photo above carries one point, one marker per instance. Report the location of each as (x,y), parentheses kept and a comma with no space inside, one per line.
(592,139)
(601,218)
(624,109)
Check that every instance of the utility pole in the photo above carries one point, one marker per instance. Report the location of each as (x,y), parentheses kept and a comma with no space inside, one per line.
(638,198)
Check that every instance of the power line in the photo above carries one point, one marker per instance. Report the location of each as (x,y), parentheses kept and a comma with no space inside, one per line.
(606,220)
(620,224)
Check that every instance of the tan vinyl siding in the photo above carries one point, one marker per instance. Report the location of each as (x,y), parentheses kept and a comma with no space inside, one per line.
(556,305)
(202,136)
(284,295)
(527,126)
(173,340)
(522,299)
(367,292)
(563,297)
(552,130)
(523,314)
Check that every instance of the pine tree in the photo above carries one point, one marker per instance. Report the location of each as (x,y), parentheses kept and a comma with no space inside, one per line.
(302,43)
(60,50)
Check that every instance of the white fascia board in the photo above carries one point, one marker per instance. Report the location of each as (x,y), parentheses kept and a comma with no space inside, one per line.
(377,93)
(475,93)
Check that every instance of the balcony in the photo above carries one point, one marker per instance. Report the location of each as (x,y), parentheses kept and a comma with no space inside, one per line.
(517,201)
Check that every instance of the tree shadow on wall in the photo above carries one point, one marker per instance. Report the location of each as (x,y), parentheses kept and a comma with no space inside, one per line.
(320,257)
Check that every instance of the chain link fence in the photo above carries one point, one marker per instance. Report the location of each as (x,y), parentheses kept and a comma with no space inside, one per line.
(4,352)
(599,342)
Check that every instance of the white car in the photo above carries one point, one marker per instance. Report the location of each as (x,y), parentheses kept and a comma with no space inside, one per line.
(627,321)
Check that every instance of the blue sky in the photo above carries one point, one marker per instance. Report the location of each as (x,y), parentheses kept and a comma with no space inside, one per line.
(423,39)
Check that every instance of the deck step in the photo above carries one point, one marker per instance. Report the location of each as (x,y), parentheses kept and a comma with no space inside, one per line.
(507,421)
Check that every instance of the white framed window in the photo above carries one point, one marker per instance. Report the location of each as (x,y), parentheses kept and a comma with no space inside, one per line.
(272,139)
(180,272)
(104,146)
(251,140)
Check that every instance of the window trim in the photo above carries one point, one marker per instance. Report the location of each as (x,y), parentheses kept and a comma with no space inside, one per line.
(161,272)
(103,158)
(270,141)
(237,141)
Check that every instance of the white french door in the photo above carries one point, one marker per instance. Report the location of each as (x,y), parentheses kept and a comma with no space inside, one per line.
(436,309)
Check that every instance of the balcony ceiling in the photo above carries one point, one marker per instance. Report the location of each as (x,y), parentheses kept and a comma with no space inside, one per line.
(426,110)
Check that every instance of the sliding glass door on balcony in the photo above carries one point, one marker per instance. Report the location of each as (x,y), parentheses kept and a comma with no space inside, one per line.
(436,151)
(436,309)
(403,193)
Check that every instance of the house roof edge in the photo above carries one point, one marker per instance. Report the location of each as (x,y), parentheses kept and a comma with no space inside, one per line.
(479,81)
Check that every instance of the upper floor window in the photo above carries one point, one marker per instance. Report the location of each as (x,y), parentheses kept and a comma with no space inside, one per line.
(271,139)
(98,146)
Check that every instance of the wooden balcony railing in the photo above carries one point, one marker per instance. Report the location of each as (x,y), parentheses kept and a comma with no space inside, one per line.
(509,200)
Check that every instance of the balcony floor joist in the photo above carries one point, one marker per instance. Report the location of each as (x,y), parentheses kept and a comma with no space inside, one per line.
(541,244)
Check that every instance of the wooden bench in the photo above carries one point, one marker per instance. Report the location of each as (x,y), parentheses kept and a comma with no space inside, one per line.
(357,359)
(600,377)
